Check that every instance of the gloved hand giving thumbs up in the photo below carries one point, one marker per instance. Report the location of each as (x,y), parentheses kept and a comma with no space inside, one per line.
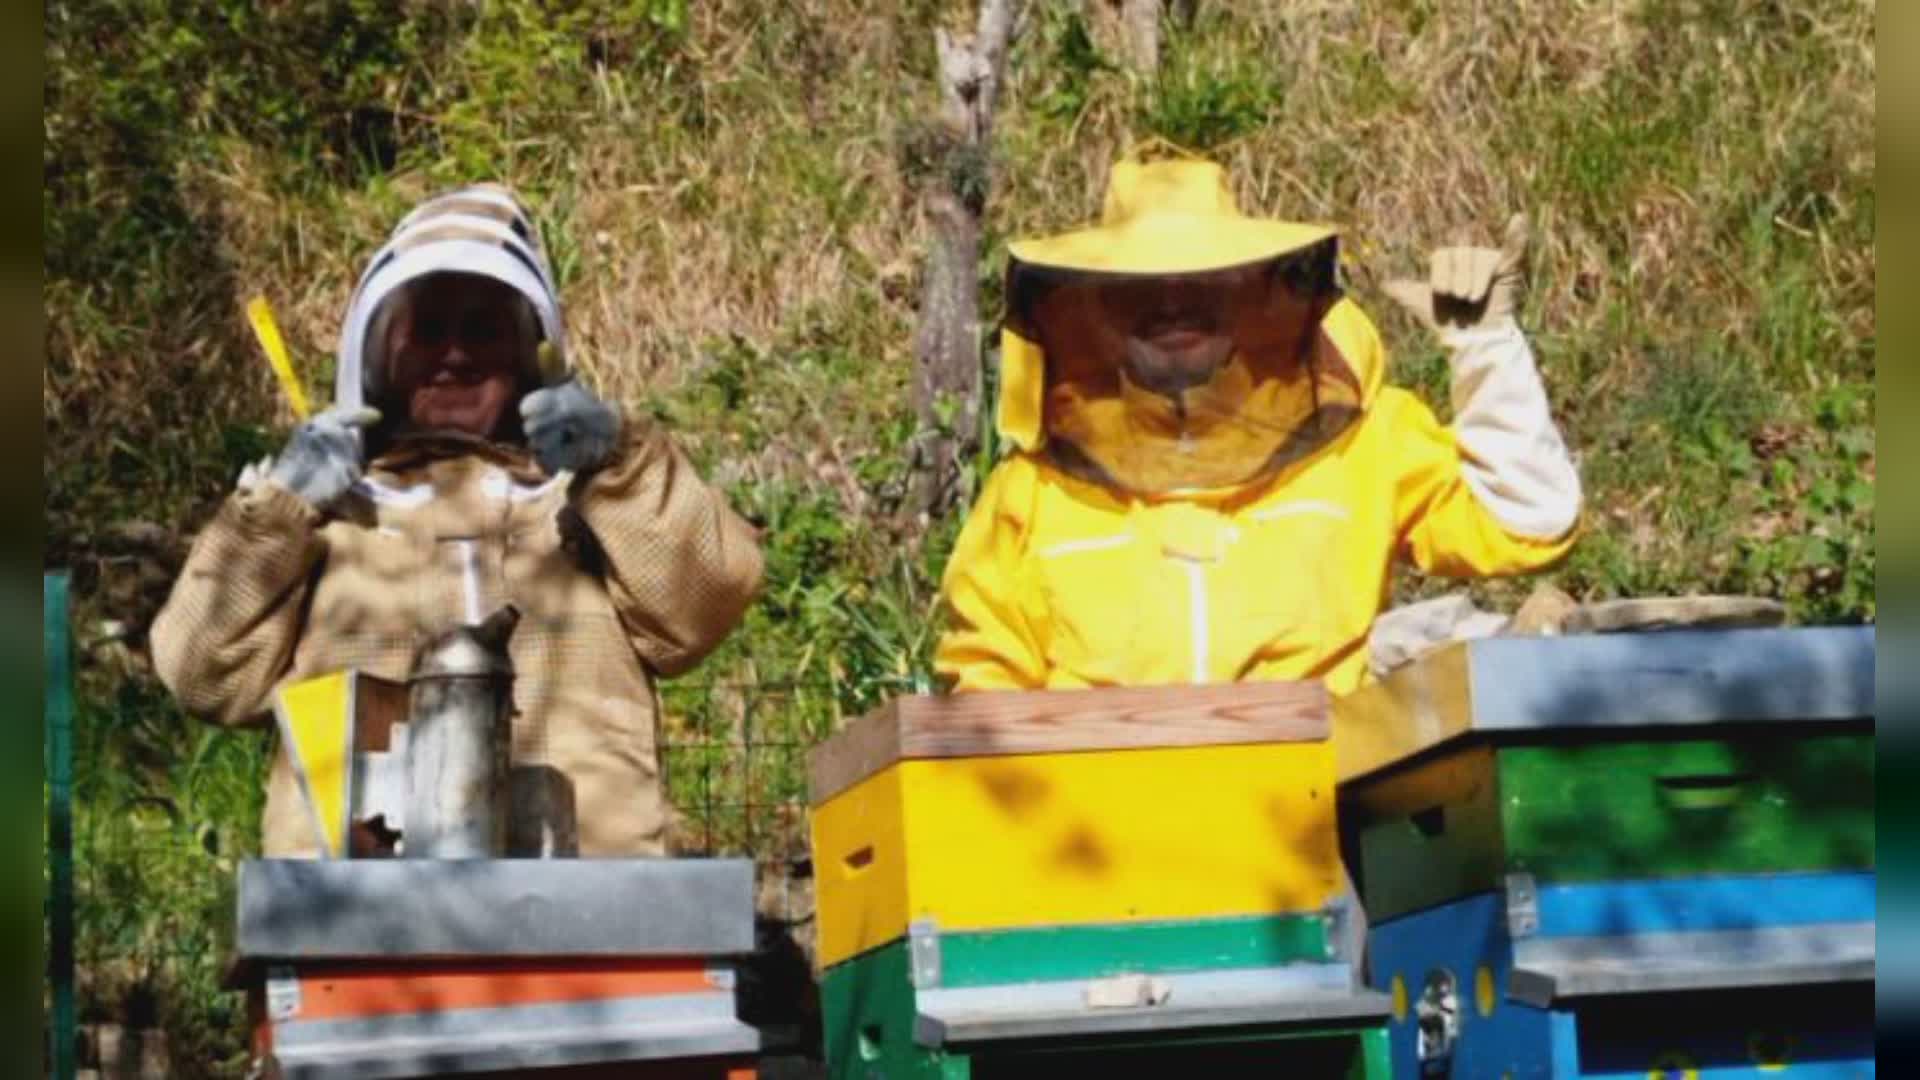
(1469,287)
(569,427)
(324,457)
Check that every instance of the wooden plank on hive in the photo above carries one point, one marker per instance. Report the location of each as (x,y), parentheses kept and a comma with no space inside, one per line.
(1054,721)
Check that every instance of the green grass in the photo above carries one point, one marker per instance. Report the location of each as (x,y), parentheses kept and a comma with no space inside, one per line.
(165,811)
(728,194)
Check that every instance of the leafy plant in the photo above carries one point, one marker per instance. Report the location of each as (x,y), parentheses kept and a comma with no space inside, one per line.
(1203,103)
(730,194)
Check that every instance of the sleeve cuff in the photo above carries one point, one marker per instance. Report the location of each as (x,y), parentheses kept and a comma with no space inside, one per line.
(269,508)
(634,451)
(1498,333)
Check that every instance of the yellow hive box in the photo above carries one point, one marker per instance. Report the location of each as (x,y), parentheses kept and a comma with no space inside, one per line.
(1006,810)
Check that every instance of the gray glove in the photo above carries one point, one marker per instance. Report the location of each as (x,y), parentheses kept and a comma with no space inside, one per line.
(569,428)
(323,458)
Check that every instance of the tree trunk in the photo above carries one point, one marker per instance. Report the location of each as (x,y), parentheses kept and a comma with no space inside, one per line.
(946,344)
(1130,28)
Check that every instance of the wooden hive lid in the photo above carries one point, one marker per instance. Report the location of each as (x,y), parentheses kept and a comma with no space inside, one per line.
(1519,687)
(987,724)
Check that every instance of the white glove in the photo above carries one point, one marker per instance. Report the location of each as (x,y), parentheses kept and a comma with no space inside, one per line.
(1512,455)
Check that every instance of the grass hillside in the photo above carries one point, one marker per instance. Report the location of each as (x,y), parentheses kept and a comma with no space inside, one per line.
(728,191)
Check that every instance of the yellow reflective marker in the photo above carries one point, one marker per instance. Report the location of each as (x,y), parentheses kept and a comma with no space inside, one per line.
(1483,998)
(260,315)
(316,727)
(1399,1000)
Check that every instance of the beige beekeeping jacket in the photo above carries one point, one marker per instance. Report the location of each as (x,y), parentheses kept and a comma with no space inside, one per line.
(636,570)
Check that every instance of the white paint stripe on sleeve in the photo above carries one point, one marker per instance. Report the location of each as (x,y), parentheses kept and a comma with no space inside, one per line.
(1069,547)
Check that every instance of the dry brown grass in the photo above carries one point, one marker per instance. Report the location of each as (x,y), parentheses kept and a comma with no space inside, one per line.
(740,244)
(746,190)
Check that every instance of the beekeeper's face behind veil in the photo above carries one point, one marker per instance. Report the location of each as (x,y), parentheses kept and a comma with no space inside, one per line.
(1177,346)
(459,355)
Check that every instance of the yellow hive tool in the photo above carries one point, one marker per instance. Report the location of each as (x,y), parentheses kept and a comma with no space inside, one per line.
(260,315)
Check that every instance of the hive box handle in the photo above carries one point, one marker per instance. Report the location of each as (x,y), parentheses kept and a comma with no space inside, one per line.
(1703,791)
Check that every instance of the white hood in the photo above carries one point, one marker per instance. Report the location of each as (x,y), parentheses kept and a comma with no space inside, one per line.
(482,230)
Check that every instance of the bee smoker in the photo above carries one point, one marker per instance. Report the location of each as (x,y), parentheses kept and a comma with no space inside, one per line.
(460,726)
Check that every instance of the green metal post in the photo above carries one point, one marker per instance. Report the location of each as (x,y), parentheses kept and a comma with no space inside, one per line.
(59,765)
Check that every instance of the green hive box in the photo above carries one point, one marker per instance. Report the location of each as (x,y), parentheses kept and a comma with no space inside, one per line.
(1011,1004)
(1609,757)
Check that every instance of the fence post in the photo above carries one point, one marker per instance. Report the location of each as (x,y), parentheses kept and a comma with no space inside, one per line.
(59,765)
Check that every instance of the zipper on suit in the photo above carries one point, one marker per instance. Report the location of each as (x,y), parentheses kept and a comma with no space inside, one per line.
(470,580)
(1197,617)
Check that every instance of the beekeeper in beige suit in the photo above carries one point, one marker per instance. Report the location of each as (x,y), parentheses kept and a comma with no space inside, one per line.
(459,470)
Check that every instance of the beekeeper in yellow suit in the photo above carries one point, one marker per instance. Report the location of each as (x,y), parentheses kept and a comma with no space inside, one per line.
(1212,481)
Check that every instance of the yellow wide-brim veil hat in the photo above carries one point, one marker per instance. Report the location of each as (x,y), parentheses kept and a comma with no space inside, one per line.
(1165,217)
(1169,216)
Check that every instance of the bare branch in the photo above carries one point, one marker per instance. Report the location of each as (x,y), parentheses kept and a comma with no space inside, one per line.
(954,195)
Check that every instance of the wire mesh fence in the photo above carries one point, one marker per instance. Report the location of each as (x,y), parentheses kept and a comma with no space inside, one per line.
(734,756)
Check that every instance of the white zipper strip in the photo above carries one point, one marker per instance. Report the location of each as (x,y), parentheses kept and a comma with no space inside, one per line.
(1197,592)
(471,580)
(1069,547)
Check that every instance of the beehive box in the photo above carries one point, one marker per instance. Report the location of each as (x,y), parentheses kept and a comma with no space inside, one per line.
(886,1015)
(1741,976)
(1621,855)
(402,967)
(1006,811)
(1610,757)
